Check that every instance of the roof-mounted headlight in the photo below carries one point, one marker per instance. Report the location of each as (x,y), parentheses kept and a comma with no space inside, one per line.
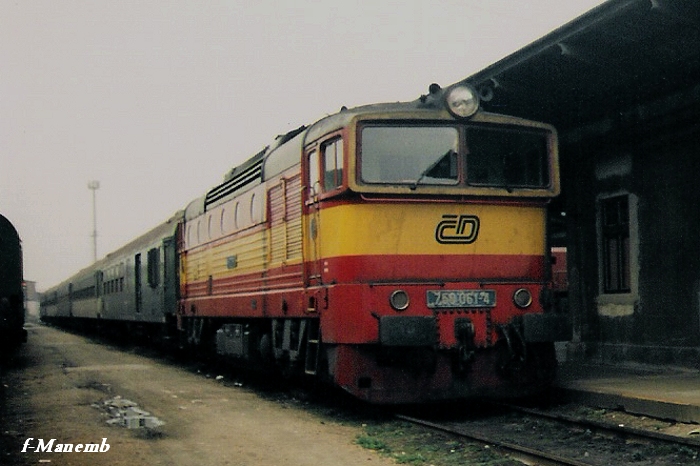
(462,101)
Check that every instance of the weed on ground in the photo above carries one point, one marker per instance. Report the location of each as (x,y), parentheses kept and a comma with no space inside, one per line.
(410,444)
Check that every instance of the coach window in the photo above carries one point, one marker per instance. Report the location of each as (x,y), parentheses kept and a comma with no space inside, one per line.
(332,164)
(99,278)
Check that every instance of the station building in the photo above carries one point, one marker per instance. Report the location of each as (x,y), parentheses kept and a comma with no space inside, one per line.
(622,85)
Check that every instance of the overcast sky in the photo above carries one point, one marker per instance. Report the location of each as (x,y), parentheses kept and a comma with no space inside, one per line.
(158,99)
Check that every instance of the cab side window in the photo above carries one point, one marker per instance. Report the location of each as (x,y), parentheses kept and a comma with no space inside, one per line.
(332,164)
(314,173)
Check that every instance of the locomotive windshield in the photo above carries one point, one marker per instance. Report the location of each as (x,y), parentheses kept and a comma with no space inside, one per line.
(510,158)
(475,155)
(410,154)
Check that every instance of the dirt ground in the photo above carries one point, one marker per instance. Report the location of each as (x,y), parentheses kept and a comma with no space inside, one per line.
(49,391)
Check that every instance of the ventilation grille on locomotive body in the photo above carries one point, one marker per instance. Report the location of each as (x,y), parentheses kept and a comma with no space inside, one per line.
(247,176)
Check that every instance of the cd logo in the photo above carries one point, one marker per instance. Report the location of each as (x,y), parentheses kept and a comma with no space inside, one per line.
(457,229)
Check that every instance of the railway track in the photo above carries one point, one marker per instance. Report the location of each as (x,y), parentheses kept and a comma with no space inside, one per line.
(619,429)
(535,437)
(522,453)
(518,431)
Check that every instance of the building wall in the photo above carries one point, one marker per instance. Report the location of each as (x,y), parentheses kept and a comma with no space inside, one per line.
(670,241)
(654,165)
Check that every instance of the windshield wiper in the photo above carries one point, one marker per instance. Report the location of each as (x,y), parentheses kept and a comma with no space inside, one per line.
(425,172)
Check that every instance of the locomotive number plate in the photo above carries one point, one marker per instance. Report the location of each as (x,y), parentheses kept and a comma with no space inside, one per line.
(439,299)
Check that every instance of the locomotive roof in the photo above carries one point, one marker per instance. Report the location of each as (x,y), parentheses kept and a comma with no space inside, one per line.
(429,102)
(286,148)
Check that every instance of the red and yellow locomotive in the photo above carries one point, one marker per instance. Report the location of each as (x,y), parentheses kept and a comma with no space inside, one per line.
(397,250)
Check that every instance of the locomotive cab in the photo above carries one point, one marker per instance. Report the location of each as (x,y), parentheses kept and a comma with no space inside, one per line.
(426,232)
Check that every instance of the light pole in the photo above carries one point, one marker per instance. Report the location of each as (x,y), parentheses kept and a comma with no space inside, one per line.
(94,186)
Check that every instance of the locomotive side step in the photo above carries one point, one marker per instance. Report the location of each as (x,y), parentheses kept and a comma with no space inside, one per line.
(313,344)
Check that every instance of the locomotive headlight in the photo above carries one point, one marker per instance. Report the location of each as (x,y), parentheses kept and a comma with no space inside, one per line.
(399,300)
(522,298)
(462,101)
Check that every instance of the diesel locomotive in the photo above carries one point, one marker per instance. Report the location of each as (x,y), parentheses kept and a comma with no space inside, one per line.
(398,251)
(12,332)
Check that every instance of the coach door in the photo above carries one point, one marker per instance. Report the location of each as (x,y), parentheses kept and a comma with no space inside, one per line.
(312,268)
(99,293)
(170,281)
(137,283)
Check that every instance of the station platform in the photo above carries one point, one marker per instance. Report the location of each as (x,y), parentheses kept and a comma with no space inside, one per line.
(669,393)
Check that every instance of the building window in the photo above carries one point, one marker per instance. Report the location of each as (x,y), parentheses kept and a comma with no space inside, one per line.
(333,165)
(616,244)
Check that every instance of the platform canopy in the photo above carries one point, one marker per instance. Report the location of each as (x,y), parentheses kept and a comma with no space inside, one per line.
(603,65)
